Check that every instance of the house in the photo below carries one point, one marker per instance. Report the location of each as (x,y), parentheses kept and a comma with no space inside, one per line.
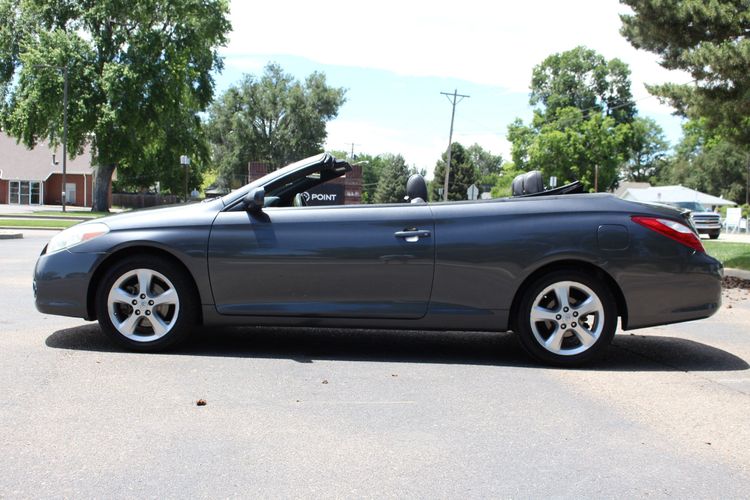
(28,176)
(673,194)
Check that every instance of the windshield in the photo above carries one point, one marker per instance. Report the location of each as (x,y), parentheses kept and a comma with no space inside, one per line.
(690,205)
(239,193)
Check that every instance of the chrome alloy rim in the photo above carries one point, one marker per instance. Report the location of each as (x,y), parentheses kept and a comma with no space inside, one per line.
(567,318)
(143,305)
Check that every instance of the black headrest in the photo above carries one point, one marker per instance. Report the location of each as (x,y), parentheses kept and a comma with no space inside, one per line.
(532,182)
(416,188)
(527,183)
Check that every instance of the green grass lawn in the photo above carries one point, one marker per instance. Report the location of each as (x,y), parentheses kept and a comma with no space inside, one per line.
(735,255)
(76,213)
(36,223)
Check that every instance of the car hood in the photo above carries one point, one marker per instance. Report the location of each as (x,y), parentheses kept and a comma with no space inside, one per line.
(190,214)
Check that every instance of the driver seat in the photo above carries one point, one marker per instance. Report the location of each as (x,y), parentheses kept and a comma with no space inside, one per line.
(416,189)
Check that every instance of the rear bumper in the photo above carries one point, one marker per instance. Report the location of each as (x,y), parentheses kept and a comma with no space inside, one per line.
(674,293)
(61,282)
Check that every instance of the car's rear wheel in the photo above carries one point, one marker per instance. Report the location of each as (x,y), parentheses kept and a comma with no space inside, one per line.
(146,303)
(566,318)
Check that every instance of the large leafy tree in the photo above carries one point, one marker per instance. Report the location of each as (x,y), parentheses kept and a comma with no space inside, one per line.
(646,150)
(581,122)
(273,118)
(707,161)
(140,73)
(583,79)
(573,147)
(488,165)
(710,41)
(463,173)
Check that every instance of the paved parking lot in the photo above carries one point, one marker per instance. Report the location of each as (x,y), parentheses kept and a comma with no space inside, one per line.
(295,412)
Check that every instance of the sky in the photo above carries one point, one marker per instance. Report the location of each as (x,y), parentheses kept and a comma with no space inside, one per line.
(396,57)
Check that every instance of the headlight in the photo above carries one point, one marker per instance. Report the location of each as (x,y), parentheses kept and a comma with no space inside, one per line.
(77,234)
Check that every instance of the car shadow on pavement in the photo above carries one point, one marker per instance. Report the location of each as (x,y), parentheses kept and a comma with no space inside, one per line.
(306,345)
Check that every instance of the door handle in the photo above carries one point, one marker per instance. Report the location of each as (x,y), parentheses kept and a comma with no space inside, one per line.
(412,234)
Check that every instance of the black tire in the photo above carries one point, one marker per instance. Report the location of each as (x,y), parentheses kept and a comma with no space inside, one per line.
(714,235)
(176,318)
(570,350)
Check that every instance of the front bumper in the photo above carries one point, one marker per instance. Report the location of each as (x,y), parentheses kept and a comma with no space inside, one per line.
(61,282)
(706,228)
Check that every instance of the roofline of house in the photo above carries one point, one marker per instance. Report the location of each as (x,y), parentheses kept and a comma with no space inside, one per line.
(50,174)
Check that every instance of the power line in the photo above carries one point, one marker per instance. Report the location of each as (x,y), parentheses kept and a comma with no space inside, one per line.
(454,99)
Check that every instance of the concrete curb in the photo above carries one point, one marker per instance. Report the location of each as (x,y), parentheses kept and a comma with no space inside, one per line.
(10,235)
(737,273)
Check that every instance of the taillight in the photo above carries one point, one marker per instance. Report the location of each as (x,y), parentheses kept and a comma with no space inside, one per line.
(672,229)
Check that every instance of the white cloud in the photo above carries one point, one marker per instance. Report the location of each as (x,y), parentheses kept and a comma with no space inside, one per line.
(479,41)
(374,139)
(495,43)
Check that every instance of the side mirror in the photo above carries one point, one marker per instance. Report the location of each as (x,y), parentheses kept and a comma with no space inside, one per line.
(255,199)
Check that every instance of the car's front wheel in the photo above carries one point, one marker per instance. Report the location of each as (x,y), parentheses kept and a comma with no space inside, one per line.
(566,318)
(714,235)
(146,303)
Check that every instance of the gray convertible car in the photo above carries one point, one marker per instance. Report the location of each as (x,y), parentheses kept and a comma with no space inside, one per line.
(555,266)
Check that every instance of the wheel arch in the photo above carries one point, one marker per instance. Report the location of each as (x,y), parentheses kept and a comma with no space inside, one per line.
(574,265)
(124,253)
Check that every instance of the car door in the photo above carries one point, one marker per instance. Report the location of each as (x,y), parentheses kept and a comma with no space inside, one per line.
(368,261)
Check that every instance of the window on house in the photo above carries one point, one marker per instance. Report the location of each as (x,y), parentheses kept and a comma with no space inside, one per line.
(24,193)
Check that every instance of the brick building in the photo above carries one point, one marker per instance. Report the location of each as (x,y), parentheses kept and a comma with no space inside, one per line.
(28,177)
(344,190)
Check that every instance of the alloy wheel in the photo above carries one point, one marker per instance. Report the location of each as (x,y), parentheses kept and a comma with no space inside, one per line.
(567,318)
(143,305)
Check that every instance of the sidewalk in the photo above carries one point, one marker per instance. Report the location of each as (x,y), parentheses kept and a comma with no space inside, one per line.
(30,209)
(734,237)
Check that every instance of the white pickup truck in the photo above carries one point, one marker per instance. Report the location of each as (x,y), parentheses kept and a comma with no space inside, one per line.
(705,221)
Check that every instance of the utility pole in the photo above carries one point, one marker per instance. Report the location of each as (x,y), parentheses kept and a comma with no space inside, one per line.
(185,162)
(352,144)
(747,185)
(65,137)
(454,99)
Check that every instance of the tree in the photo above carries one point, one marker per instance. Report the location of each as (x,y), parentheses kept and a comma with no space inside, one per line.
(503,186)
(583,79)
(274,118)
(572,148)
(392,184)
(582,120)
(463,174)
(372,171)
(486,163)
(647,150)
(710,41)
(140,74)
(708,162)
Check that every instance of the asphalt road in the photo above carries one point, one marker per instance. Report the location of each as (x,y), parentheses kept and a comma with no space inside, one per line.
(311,413)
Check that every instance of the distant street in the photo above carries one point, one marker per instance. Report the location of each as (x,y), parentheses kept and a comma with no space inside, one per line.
(331,413)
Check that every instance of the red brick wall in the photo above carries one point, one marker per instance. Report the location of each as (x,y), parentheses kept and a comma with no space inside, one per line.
(53,189)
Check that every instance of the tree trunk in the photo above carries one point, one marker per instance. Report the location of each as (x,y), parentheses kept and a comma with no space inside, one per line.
(102,182)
